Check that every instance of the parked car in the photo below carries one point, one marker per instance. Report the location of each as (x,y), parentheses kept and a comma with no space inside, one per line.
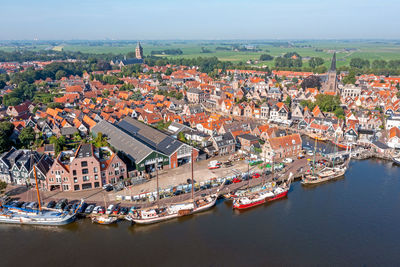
(89,209)
(116,210)
(96,209)
(236,180)
(123,211)
(288,160)
(102,210)
(106,186)
(227,182)
(51,204)
(189,181)
(110,209)
(109,188)
(61,204)
(255,175)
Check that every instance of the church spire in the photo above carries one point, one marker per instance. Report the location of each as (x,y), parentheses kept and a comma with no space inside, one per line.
(333,64)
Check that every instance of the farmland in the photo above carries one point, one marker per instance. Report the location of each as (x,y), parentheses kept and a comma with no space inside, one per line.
(223,50)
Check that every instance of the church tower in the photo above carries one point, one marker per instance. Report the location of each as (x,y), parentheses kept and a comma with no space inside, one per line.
(331,83)
(139,51)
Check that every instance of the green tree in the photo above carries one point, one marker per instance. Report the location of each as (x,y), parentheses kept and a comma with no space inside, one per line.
(288,101)
(315,62)
(60,74)
(266,57)
(58,143)
(359,63)
(100,140)
(27,136)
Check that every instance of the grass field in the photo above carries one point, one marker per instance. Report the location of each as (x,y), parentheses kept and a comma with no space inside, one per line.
(345,49)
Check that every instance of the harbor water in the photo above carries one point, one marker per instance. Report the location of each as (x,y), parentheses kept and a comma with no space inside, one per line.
(352,221)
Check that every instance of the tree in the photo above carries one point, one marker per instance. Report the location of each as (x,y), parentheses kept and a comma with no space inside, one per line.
(100,140)
(288,101)
(311,82)
(359,63)
(27,136)
(181,137)
(266,57)
(60,74)
(350,78)
(379,64)
(315,62)
(58,143)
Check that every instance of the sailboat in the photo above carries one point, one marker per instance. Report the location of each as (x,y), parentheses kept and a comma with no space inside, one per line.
(38,216)
(168,212)
(326,174)
(104,218)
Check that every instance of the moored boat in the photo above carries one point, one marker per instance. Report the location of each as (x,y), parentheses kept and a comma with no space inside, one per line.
(104,219)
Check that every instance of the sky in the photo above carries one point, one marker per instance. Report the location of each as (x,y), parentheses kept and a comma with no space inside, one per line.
(198,20)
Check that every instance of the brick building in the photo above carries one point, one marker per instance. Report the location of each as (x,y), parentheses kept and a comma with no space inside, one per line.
(86,168)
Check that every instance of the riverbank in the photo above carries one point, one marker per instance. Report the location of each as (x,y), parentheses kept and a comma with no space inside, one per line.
(346,222)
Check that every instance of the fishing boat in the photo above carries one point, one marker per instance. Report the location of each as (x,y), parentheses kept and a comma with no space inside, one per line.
(104,219)
(318,137)
(266,194)
(172,211)
(341,145)
(40,216)
(252,200)
(156,215)
(396,160)
(326,174)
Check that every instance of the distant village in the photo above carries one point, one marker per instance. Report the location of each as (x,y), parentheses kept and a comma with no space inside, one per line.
(99,133)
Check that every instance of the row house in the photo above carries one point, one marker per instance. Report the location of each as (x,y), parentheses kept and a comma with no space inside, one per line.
(86,168)
(279,112)
(278,148)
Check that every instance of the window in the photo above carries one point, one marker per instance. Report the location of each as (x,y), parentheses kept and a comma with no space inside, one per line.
(85,178)
(74,172)
(65,179)
(84,164)
(75,180)
(58,180)
(96,177)
(116,172)
(65,187)
(103,174)
(85,171)
(76,187)
(95,169)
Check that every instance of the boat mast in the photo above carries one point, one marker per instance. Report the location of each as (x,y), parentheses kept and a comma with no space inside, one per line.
(37,188)
(315,152)
(192,159)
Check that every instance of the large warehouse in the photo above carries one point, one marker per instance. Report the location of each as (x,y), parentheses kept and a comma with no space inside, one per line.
(142,144)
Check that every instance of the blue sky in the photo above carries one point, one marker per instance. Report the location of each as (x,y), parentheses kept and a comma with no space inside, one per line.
(201,19)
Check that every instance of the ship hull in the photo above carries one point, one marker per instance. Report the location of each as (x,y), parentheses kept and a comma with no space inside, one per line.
(36,221)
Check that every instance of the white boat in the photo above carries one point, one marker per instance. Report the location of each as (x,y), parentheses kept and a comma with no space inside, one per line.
(155,215)
(104,219)
(40,216)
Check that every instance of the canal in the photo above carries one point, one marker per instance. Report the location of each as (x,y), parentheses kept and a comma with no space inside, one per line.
(350,221)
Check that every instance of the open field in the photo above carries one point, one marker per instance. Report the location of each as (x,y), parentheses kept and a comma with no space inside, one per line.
(324,48)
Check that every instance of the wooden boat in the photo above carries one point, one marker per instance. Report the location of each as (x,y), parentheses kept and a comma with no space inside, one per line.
(325,175)
(318,137)
(252,200)
(267,194)
(396,160)
(341,145)
(13,215)
(168,212)
(104,219)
